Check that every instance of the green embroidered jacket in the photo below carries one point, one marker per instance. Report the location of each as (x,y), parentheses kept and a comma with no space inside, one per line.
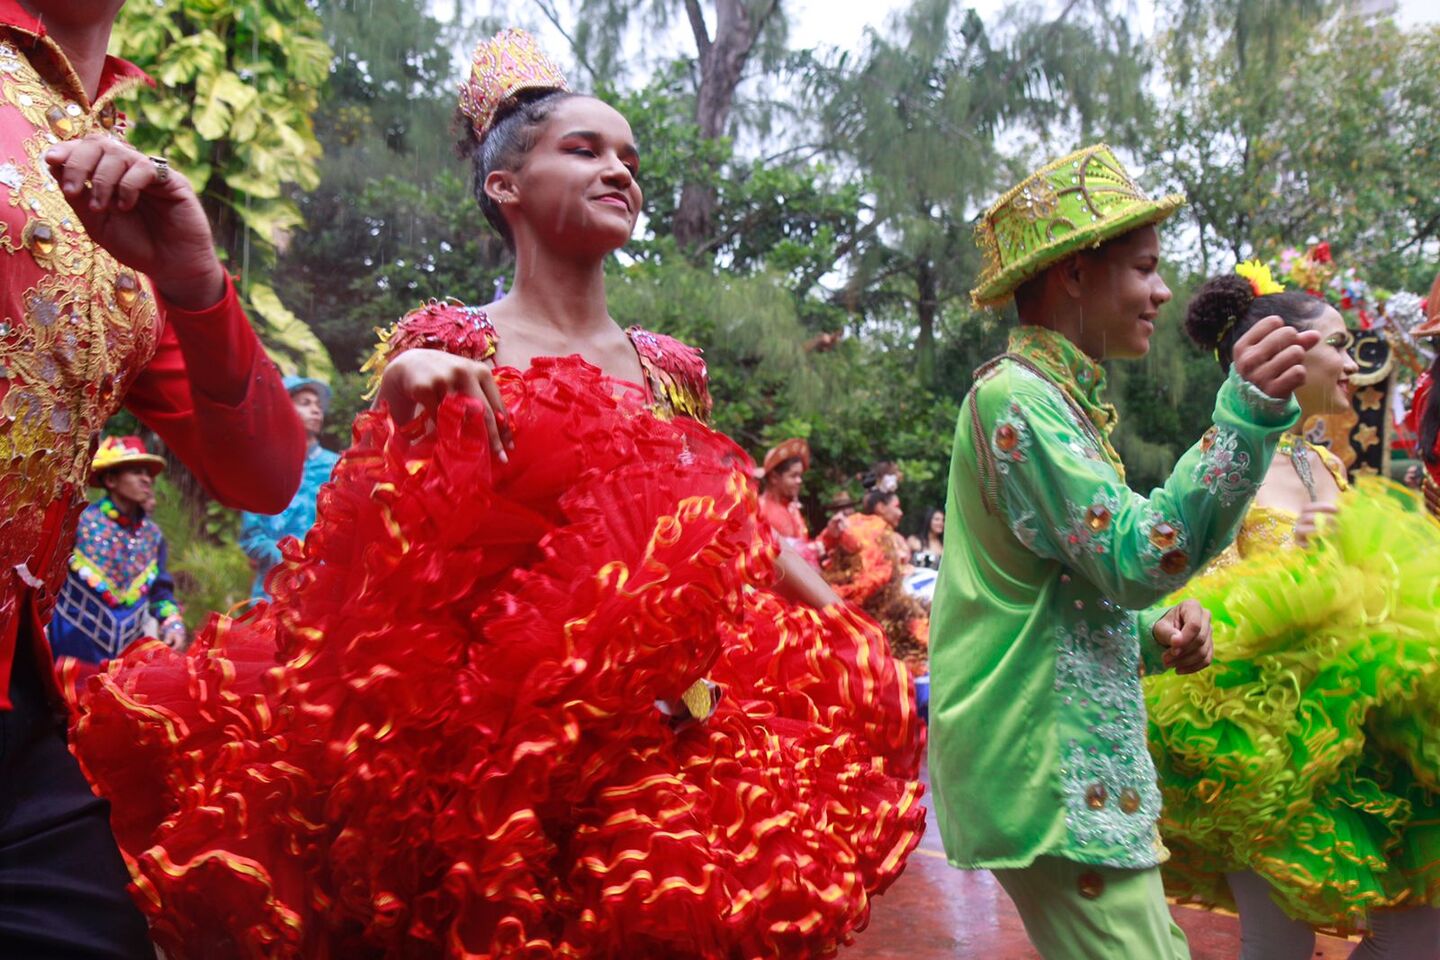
(1040,628)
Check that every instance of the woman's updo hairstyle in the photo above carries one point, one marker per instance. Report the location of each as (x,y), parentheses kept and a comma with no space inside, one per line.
(1226,307)
(876,499)
(505,144)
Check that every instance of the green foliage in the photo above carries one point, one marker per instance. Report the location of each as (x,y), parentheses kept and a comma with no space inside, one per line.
(1302,123)
(380,251)
(239,81)
(393,221)
(293,345)
(211,573)
(748,327)
(921,113)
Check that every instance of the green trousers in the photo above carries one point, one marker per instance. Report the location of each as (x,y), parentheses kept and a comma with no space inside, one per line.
(1074,911)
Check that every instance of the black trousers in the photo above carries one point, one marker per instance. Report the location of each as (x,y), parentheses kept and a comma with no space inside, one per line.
(62,881)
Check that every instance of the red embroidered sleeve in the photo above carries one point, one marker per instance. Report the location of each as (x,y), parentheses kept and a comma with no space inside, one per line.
(218,402)
(447,325)
(676,371)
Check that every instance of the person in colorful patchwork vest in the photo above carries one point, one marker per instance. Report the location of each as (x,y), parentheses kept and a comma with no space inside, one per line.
(112,296)
(118,571)
(1043,619)
(260,533)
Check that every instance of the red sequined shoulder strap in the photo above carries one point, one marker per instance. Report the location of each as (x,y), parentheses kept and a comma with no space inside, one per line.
(447,325)
(677,373)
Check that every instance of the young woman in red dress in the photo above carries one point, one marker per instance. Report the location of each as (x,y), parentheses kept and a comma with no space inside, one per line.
(539,682)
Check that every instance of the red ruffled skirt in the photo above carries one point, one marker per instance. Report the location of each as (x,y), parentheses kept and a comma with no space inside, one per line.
(442,737)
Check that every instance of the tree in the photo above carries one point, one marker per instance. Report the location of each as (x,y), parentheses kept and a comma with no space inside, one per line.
(239,82)
(726,42)
(1303,122)
(392,221)
(920,114)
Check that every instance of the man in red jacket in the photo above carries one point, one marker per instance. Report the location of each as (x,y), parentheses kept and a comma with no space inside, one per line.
(111,295)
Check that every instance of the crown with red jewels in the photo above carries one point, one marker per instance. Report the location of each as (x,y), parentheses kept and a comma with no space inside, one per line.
(501,68)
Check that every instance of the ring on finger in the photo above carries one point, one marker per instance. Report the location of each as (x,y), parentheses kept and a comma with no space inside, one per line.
(162,169)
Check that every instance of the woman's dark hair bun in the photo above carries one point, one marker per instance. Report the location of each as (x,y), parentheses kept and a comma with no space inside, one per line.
(1225,308)
(1217,309)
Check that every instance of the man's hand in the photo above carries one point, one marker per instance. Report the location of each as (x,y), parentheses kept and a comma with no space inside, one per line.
(1185,634)
(153,224)
(1271,355)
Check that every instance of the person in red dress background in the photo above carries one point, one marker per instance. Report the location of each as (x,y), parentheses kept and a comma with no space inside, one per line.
(112,296)
(782,475)
(540,681)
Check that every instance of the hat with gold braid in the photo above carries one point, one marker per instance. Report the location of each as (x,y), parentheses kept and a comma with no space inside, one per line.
(1078,201)
(503,67)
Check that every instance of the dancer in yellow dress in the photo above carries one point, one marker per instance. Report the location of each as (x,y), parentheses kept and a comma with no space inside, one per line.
(1299,773)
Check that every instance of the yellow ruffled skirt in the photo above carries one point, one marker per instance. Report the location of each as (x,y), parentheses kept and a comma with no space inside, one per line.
(1309,752)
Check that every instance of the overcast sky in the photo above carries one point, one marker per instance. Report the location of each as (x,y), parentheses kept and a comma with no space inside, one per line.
(842,22)
(813,23)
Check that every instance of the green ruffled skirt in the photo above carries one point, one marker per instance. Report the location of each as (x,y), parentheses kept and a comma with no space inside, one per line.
(1309,752)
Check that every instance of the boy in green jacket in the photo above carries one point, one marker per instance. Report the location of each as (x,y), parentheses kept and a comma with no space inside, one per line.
(1039,632)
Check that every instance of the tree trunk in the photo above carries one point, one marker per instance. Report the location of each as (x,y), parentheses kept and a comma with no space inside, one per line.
(722,60)
(927,308)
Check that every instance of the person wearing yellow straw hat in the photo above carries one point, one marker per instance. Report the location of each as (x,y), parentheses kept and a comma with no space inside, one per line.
(1039,631)
(118,570)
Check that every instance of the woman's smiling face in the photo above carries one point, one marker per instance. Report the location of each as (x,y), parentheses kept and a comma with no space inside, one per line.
(576,191)
(1328,367)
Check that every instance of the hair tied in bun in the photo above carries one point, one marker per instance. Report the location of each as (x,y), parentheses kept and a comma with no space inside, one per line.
(1230,322)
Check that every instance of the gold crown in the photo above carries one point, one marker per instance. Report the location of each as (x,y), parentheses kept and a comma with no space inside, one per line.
(507,64)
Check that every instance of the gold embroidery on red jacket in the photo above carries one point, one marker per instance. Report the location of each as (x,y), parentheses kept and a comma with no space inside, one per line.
(72,343)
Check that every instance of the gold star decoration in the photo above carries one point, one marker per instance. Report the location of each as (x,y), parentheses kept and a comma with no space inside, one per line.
(1371,398)
(1367,436)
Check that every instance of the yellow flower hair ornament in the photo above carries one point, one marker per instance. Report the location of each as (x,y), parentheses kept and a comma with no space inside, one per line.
(1261,280)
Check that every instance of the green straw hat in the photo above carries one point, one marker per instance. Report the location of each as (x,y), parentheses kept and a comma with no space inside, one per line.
(1075,202)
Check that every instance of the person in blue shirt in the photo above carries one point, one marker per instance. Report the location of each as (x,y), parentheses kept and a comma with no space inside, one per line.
(260,534)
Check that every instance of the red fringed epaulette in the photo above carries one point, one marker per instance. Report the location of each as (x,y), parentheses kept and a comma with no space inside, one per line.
(677,372)
(447,325)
